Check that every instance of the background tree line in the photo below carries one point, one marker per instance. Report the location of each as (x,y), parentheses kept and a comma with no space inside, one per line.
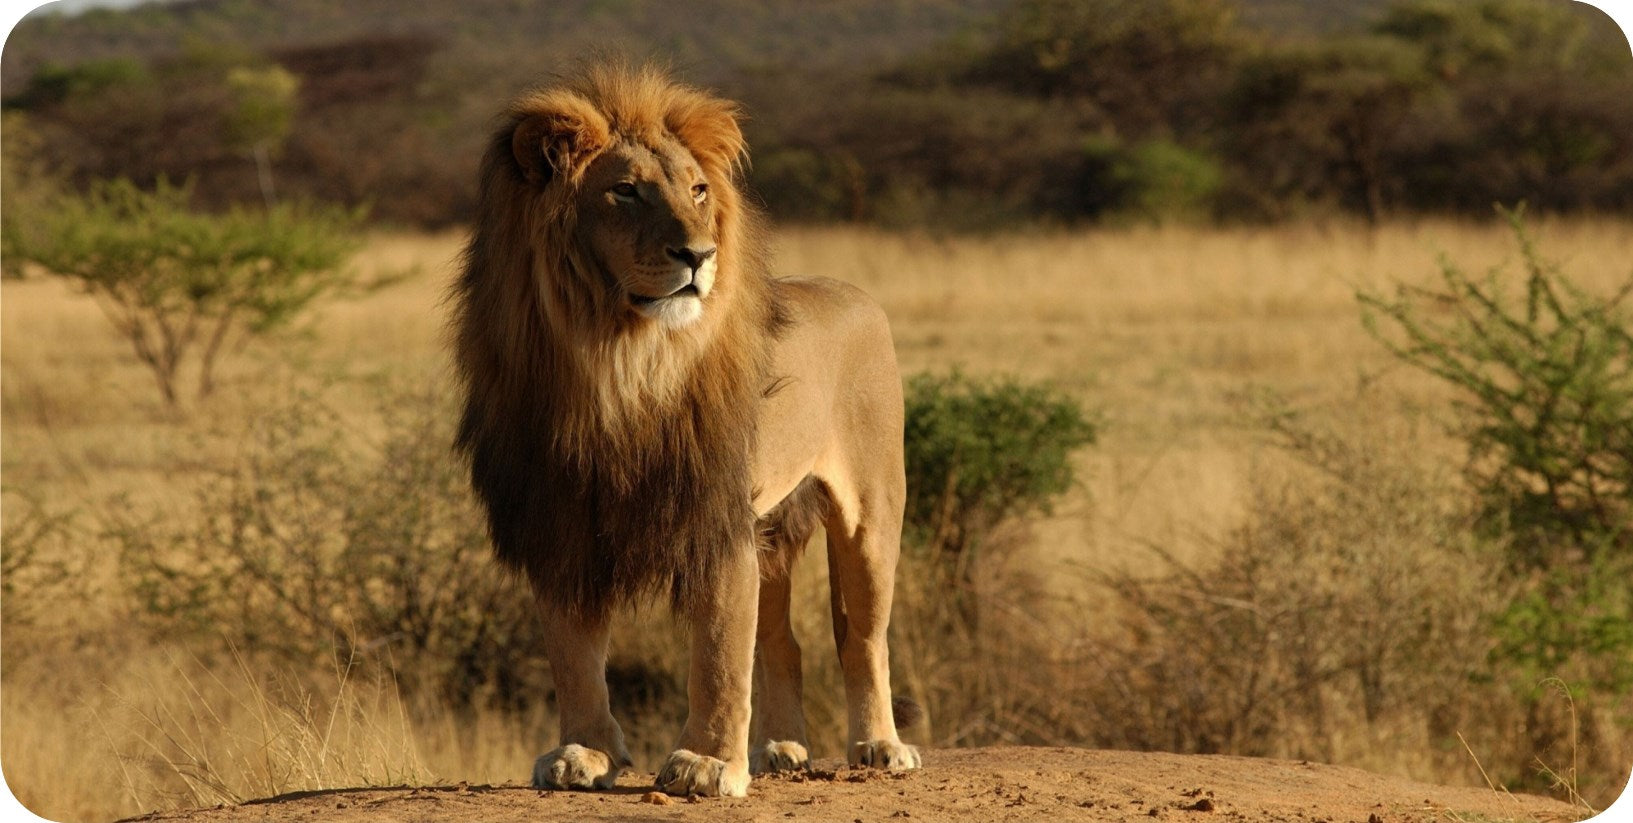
(961,115)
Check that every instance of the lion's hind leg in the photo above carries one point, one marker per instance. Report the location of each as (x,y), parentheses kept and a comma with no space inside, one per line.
(779,742)
(864,539)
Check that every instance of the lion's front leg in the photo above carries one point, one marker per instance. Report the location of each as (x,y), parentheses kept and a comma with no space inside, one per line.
(592,751)
(712,756)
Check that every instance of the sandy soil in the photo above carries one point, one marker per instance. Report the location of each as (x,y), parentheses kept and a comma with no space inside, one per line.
(954,785)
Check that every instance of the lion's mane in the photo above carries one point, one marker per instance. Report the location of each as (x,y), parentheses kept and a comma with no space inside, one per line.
(613,456)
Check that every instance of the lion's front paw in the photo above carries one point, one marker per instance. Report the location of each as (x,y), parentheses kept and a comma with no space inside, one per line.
(884,754)
(575,767)
(779,756)
(686,773)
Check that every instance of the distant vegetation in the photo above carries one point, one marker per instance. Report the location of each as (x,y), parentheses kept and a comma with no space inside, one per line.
(1452,603)
(963,115)
(178,284)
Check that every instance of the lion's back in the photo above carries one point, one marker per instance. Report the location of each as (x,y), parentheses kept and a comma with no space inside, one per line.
(837,311)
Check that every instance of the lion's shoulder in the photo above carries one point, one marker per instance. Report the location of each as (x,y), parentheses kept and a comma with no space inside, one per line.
(830,327)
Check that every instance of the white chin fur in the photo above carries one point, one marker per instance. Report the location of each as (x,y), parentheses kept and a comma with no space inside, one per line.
(673,312)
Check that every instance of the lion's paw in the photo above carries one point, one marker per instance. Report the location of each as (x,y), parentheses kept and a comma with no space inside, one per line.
(575,767)
(686,773)
(779,756)
(884,754)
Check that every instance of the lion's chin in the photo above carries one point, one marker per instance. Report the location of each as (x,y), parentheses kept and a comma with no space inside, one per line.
(676,312)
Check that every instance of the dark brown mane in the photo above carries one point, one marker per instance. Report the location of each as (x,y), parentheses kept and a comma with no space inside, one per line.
(614,463)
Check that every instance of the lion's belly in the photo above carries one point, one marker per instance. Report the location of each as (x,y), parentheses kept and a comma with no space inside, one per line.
(792,438)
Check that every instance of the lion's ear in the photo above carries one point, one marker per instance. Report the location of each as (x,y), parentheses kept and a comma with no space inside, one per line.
(708,127)
(556,135)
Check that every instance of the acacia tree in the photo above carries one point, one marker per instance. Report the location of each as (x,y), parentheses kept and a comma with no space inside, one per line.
(178,284)
(1544,374)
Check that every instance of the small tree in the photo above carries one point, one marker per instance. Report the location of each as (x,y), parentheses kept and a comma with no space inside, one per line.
(1154,180)
(980,452)
(1544,375)
(177,283)
(1545,378)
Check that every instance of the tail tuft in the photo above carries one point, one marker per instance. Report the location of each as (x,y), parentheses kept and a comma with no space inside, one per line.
(906,711)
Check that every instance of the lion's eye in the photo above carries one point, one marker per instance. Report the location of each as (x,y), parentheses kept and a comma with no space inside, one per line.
(700,192)
(625,191)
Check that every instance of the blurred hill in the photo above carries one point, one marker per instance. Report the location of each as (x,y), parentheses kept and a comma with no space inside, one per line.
(713,40)
(896,111)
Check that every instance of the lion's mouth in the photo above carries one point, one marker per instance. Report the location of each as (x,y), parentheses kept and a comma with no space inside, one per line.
(688,290)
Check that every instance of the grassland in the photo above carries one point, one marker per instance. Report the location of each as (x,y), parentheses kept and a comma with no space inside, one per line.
(1165,331)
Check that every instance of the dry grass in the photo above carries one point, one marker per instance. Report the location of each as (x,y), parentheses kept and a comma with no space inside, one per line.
(1162,329)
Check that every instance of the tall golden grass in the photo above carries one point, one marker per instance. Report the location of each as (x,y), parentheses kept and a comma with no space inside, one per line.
(1164,330)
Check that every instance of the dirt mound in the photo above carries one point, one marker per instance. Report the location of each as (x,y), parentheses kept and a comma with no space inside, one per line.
(957,784)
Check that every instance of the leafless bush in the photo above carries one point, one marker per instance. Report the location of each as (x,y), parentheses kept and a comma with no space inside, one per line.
(1347,599)
(321,545)
(40,567)
(1351,617)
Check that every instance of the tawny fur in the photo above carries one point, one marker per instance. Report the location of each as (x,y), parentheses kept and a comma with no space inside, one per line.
(648,413)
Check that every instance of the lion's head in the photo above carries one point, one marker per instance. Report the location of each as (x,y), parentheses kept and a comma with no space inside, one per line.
(633,175)
(611,330)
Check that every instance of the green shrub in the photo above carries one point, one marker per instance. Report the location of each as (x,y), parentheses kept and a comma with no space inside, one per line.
(1544,376)
(1543,372)
(178,284)
(1162,181)
(980,452)
(983,455)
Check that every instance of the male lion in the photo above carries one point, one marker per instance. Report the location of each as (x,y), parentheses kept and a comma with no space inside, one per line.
(648,411)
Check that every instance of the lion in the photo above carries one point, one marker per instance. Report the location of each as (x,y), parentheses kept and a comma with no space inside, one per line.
(648,412)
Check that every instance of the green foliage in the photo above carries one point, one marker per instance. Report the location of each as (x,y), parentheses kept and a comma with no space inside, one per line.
(259,118)
(1544,378)
(177,283)
(1156,180)
(1316,121)
(1544,374)
(263,105)
(959,115)
(316,545)
(1136,59)
(25,189)
(804,183)
(54,84)
(1487,35)
(980,452)
(1570,621)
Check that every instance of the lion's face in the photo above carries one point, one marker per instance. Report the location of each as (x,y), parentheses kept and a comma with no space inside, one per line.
(647,216)
(637,174)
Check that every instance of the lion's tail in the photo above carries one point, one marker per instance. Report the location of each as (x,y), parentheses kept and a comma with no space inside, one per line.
(905,710)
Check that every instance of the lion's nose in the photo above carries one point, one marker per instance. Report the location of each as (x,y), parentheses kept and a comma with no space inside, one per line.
(693,258)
